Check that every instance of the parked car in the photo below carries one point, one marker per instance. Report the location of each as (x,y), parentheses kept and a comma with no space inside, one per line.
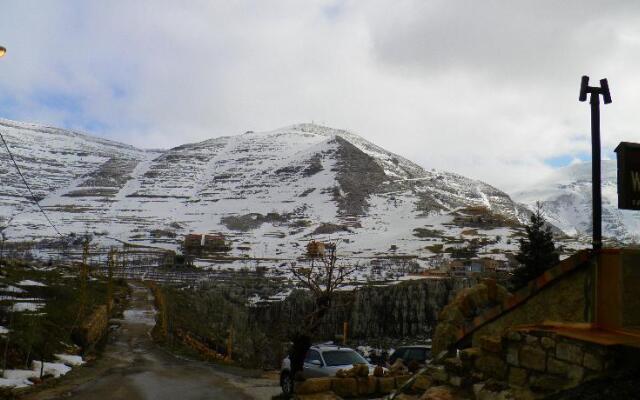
(419,353)
(322,360)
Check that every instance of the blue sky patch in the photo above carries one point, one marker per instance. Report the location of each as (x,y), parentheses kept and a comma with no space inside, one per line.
(58,101)
(566,159)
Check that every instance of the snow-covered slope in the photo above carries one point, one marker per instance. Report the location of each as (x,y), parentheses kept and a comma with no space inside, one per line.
(268,192)
(566,199)
(55,160)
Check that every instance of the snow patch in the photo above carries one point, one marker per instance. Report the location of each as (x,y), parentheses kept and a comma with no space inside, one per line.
(29,282)
(70,359)
(55,369)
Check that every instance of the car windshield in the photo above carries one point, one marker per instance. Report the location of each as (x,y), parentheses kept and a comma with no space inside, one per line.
(341,357)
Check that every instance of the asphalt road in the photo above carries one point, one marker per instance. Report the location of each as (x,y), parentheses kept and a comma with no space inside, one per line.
(132,367)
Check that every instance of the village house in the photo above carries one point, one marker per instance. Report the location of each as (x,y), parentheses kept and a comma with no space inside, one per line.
(197,242)
(476,267)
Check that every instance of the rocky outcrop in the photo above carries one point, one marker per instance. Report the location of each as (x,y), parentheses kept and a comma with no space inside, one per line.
(404,310)
(358,174)
(408,309)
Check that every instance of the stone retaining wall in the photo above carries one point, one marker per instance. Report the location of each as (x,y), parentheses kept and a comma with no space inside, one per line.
(534,360)
(563,293)
(468,305)
(565,300)
(544,361)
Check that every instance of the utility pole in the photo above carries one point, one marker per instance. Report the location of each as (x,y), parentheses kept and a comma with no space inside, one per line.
(230,344)
(3,237)
(84,276)
(3,51)
(110,265)
(596,187)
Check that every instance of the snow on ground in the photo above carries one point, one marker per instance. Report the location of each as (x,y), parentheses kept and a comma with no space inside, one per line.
(55,369)
(141,316)
(29,282)
(22,306)
(566,199)
(117,192)
(11,289)
(195,185)
(70,360)
(15,383)
(18,378)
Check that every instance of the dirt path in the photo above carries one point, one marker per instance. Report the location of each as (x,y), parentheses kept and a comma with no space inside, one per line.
(133,367)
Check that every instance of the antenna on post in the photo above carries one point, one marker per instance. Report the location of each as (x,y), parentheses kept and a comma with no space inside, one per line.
(596,188)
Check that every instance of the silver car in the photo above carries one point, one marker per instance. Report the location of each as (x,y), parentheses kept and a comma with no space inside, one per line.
(322,360)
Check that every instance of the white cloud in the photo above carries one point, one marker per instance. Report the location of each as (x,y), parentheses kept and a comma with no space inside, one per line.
(486,89)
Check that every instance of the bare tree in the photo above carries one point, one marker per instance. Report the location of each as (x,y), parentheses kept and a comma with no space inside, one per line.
(322,277)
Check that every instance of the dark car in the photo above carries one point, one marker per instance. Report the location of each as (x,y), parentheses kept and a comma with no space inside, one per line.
(419,353)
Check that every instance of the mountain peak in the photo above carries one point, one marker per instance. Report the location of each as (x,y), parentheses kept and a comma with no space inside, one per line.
(267,192)
(317,129)
(566,199)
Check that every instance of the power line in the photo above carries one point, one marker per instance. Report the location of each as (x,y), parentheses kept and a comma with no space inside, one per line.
(33,197)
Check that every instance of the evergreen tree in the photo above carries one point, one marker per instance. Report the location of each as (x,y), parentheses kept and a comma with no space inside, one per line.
(537,251)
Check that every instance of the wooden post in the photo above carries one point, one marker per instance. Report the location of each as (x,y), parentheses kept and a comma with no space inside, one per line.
(124,260)
(110,261)
(230,344)
(345,329)
(84,276)
(3,237)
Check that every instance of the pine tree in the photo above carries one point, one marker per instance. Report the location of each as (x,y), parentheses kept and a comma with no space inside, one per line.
(537,251)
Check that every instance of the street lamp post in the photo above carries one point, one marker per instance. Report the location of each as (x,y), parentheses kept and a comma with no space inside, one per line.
(596,190)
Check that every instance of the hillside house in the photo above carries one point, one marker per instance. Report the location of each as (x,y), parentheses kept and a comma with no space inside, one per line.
(482,266)
(197,242)
(494,264)
(192,241)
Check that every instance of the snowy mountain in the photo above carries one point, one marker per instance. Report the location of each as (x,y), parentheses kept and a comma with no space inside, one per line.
(268,192)
(566,199)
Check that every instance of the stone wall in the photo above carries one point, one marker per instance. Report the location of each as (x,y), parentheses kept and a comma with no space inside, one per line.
(408,309)
(563,300)
(537,360)
(565,292)
(468,304)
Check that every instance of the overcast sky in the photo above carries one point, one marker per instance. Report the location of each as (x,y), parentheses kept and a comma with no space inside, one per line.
(488,89)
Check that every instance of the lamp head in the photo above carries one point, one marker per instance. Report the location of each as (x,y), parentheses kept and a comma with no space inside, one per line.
(584,84)
(3,51)
(606,95)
